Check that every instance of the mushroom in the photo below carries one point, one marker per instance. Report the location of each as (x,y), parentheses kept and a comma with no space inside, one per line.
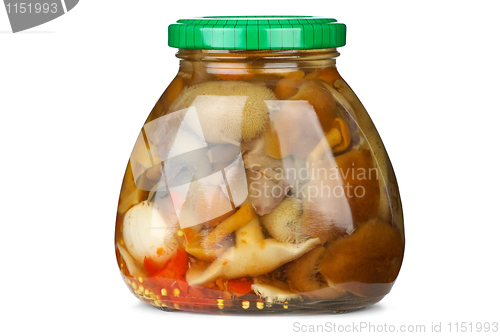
(132,265)
(328,74)
(346,112)
(372,255)
(278,291)
(251,256)
(267,178)
(340,138)
(274,148)
(241,218)
(149,230)
(284,223)
(314,92)
(193,244)
(361,183)
(288,87)
(302,274)
(273,294)
(229,112)
(337,139)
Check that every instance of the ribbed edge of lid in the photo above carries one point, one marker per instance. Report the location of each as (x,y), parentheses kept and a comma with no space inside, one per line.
(257,33)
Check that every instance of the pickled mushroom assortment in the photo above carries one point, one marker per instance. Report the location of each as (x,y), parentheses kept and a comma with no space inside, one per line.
(253,188)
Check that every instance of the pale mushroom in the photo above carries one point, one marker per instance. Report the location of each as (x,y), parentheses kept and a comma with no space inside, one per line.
(251,256)
(229,112)
(276,291)
(274,294)
(148,232)
(133,266)
(285,222)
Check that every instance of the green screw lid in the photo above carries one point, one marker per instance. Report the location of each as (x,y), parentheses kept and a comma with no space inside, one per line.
(257,33)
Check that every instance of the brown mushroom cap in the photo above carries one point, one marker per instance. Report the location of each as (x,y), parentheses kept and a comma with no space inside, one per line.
(302,273)
(321,99)
(372,254)
(361,183)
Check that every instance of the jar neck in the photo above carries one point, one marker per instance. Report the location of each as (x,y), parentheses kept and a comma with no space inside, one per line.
(259,59)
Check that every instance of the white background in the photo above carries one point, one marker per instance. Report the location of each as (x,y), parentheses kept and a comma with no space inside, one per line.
(75,92)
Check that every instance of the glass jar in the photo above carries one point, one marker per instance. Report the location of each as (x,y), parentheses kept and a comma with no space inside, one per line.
(259,183)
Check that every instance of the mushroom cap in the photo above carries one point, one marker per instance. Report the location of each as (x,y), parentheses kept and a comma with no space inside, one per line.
(321,99)
(284,223)
(371,255)
(274,294)
(132,265)
(302,273)
(233,110)
(148,232)
(359,173)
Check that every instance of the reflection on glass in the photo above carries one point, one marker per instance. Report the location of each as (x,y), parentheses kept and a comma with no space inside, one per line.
(249,193)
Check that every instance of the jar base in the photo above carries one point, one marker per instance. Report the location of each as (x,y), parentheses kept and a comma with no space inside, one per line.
(238,307)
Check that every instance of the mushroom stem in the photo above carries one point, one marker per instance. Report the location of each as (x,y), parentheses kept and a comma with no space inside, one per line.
(319,151)
(241,218)
(337,139)
(334,137)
